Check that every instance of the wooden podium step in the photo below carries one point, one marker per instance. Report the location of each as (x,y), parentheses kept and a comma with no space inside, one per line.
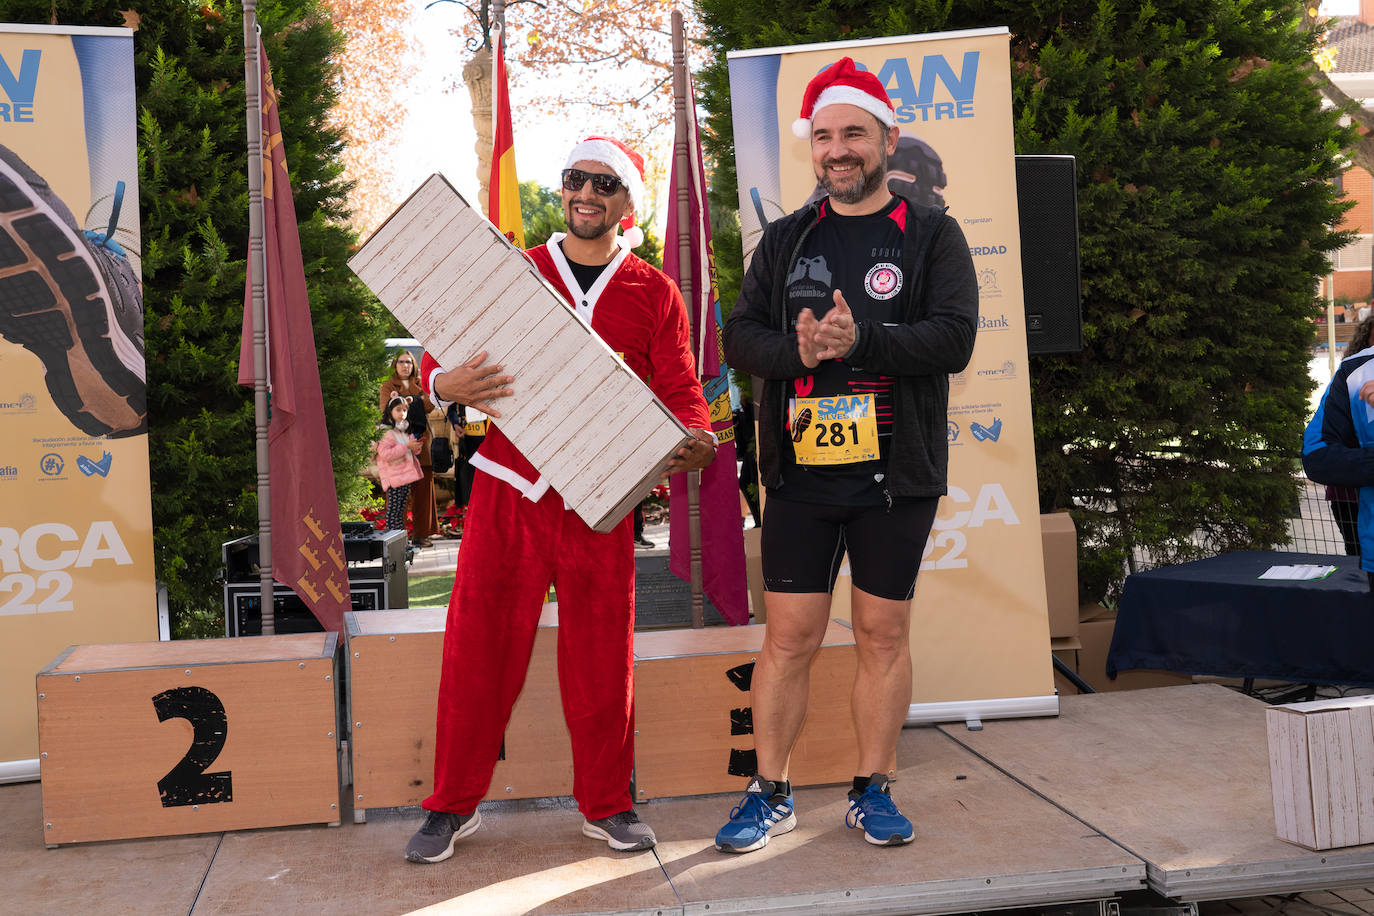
(192,736)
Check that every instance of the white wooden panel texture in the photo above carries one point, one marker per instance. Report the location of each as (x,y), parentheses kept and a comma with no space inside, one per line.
(590,426)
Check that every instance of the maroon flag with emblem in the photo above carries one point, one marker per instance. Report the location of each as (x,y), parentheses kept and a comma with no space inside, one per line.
(722,532)
(307,543)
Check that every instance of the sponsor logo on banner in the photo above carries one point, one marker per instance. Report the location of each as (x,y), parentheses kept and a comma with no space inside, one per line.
(9,472)
(982,433)
(987,283)
(18,85)
(983,250)
(993,322)
(952,430)
(26,403)
(883,281)
(958,379)
(91,467)
(1005,371)
(51,465)
(919,99)
(947,542)
(975,220)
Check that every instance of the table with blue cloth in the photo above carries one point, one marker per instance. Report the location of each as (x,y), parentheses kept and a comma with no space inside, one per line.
(1217,617)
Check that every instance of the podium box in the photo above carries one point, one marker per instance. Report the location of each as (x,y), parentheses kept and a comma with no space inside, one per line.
(1321,771)
(193,736)
(694,722)
(394,661)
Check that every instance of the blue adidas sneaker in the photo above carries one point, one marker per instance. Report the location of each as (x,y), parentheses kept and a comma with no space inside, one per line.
(874,810)
(758,816)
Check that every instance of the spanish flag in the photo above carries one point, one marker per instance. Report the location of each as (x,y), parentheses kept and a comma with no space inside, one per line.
(503,189)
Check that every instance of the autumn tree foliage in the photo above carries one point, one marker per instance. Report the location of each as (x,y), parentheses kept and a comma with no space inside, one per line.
(374,62)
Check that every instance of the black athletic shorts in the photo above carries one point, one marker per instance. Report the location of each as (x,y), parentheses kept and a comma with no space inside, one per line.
(805,543)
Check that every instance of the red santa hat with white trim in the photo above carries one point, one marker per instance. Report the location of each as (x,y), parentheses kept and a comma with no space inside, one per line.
(628,166)
(842,83)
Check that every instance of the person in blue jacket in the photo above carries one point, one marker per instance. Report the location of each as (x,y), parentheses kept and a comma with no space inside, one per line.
(1338,446)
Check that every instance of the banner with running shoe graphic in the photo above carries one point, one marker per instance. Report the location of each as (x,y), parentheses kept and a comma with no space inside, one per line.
(76,537)
(980,628)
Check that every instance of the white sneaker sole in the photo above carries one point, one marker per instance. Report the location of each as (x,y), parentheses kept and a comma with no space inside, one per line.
(591,830)
(468,829)
(786,825)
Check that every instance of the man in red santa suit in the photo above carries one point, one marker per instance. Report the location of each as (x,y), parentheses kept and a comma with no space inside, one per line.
(518,537)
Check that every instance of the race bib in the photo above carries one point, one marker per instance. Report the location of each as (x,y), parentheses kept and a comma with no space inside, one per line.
(838,430)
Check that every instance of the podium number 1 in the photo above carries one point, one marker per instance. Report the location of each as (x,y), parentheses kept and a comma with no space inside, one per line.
(187,783)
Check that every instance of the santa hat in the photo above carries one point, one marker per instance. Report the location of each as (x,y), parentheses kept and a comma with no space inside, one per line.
(842,83)
(628,166)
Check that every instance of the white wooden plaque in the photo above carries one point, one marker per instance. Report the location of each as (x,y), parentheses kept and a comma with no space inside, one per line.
(579,414)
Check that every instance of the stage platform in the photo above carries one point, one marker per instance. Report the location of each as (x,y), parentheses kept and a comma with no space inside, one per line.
(1167,786)
(1179,776)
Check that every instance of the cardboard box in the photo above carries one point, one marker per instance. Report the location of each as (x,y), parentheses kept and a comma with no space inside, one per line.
(1096,636)
(695,723)
(394,660)
(1065,649)
(1321,770)
(1059,541)
(193,736)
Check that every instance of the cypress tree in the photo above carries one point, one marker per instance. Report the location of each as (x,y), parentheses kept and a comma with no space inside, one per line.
(1206,214)
(193,200)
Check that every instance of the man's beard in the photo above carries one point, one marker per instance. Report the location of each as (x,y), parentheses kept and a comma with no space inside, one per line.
(857,191)
(587,230)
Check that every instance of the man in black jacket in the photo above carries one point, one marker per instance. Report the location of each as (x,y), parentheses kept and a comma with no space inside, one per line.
(854,311)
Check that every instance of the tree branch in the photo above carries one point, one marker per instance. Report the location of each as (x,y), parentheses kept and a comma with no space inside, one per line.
(1362,154)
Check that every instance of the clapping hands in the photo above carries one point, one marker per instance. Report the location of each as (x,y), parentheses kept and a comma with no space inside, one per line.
(829,338)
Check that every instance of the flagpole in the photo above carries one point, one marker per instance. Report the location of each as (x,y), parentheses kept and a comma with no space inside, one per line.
(687,285)
(258,274)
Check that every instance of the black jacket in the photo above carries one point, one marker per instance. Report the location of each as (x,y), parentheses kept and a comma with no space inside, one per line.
(940,305)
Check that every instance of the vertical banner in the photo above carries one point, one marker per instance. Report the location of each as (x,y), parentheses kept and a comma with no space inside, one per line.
(980,628)
(76,536)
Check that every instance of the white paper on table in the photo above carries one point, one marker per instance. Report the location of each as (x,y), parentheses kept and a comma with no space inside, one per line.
(1298,571)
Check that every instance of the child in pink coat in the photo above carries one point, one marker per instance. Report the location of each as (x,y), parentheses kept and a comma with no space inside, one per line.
(397,466)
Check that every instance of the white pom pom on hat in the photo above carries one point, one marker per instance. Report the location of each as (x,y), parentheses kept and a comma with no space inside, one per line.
(843,83)
(628,166)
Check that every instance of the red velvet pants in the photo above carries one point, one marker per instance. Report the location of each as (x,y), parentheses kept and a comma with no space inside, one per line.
(512,550)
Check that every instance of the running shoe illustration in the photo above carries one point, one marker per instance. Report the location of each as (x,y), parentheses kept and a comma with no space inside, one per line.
(72,299)
(800,424)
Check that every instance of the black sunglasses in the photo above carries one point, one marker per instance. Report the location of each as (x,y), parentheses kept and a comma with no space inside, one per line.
(603,184)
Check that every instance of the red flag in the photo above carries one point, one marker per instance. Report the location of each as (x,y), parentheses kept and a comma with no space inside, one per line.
(503,188)
(722,533)
(307,544)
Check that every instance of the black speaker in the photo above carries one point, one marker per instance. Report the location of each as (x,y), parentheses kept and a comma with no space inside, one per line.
(1047,203)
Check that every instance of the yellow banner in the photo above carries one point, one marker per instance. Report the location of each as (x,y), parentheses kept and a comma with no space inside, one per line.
(76,545)
(980,627)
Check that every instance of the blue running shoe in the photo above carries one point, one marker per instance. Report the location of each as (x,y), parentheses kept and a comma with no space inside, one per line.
(758,816)
(874,810)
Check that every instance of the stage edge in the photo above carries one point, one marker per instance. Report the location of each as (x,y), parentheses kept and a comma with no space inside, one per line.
(973,712)
(956,895)
(1314,871)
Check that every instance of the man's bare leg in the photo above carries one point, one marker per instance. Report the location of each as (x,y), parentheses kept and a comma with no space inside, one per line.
(882,685)
(782,677)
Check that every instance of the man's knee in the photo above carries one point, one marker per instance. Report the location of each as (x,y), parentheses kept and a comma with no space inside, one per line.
(792,640)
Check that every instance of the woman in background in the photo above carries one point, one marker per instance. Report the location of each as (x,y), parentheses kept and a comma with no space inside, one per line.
(405,381)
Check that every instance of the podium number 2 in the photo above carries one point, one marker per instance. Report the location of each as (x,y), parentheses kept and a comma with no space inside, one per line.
(187,783)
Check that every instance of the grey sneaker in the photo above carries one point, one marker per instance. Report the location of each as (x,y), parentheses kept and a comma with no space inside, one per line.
(623,831)
(433,842)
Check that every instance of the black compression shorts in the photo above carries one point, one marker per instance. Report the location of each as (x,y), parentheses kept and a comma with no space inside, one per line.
(805,543)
